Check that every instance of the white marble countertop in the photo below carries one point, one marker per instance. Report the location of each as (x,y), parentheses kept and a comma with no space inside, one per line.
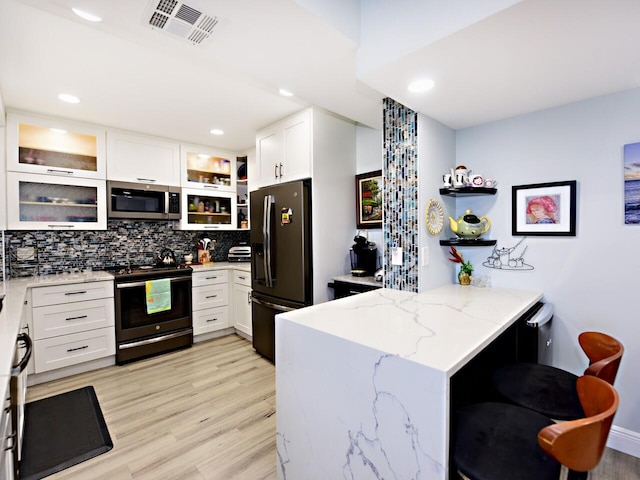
(242,266)
(442,328)
(368,280)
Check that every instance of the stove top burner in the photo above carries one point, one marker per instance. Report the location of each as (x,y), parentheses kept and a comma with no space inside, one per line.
(151,271)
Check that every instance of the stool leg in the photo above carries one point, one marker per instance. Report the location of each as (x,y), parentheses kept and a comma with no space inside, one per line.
(577,475)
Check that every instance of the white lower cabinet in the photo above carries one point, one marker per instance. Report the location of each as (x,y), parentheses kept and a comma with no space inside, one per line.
(210,301)
(242,302)
(72,324)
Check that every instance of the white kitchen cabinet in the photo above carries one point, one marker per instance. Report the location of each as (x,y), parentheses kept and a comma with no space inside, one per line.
(40,202)
(210,301)
(206,210)
(7,439)
(72,324)
(284,150)
(208,168)
(53,146)
(142,159)
(242,302)
(242,193)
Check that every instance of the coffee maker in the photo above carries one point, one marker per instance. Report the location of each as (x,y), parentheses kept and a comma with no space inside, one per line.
(364,257)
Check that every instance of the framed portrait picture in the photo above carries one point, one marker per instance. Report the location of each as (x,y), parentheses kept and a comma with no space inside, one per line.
(544,209)
(369,200)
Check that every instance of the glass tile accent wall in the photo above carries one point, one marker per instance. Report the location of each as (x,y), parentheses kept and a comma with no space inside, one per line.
(400,171)
(63,251)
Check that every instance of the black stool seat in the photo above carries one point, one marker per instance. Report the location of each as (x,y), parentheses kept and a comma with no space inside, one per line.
(498,441)
(545,389)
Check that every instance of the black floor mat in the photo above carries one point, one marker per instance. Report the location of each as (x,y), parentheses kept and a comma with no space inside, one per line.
(62,431)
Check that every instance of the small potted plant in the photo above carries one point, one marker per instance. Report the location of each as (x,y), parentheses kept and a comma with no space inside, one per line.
(464,276)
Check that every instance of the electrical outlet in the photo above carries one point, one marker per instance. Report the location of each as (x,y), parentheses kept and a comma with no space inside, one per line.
(396,256)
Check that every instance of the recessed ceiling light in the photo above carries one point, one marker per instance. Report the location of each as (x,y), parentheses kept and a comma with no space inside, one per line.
(285,93)
(58,130)
(86,15)
(217,131)
(66,97)
(421,86)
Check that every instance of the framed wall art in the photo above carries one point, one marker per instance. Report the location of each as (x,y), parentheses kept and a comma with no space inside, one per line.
(369,200)
(544,209)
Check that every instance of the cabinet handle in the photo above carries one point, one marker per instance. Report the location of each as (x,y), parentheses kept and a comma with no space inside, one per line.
(211,319)
(76,293)
(215,187)
(249,298)
(211,278)
(211,296)
(150,180)
(61,226)
(281,174)
(242,278)
(79,348)
(275,170)
(209,227)
(76,318)
(54,170)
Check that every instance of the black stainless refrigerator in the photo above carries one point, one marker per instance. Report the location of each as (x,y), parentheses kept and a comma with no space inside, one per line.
(281,265)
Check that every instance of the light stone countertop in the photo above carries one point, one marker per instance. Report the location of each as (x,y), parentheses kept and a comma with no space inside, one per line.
(441,328)
(368,280)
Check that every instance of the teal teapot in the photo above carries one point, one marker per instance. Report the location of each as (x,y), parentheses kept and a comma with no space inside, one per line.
(469,225)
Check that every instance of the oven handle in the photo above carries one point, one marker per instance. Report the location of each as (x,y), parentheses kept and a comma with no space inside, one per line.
(143,283)
(149,341)
(19,368)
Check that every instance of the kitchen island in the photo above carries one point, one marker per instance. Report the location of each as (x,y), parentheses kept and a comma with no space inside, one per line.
(365,385)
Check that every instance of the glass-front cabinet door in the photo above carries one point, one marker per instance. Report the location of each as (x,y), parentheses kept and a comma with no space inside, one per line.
(207,168)
(45,203)
(54,147)
(204,210)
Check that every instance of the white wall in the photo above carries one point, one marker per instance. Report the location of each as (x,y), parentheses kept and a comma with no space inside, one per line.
(436,154)
(590,278)
(368,159)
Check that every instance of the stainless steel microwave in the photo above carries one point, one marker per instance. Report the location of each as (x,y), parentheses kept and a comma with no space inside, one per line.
(143,201)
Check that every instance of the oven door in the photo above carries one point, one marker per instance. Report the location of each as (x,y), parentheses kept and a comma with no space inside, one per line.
(134,323)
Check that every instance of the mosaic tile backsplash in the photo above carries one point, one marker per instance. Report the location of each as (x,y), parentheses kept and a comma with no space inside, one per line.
(400,219)
(63,251)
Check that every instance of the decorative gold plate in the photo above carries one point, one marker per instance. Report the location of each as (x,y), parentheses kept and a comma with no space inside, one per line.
(435,217)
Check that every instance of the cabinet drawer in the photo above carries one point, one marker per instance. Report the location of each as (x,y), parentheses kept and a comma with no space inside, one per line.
(56,320)
(211,277)
(76,292)
(210,296)
(210,320)
(243,278)
(58,352)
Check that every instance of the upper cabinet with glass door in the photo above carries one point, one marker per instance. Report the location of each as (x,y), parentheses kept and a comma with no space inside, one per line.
(53,146)
(208,168)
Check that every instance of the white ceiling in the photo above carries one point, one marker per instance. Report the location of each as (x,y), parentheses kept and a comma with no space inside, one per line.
(501,58)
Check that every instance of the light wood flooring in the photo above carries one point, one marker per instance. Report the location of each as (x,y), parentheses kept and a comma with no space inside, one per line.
(204,413)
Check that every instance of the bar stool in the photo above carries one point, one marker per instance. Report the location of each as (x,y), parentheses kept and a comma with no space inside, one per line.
(552,391)
(494,441)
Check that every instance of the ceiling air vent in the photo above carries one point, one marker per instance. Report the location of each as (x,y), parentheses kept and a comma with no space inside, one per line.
(180,19)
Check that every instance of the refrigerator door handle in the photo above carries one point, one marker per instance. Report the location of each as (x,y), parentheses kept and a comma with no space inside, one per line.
(275,306)
(266,233)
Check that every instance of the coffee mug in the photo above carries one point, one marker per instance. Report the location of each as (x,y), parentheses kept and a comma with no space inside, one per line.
(459,180)
(490,183)
(446,180)
(476,180)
